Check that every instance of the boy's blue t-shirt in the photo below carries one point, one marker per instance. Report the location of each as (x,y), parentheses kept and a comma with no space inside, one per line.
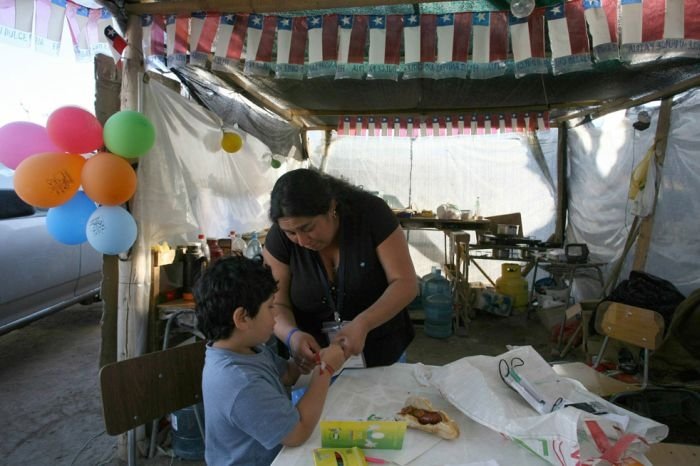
(246,408)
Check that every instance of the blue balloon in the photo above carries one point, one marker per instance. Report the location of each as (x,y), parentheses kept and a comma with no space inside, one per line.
(111,230)
(66,223)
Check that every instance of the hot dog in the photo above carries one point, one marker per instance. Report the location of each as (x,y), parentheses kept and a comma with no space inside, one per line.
(420,414)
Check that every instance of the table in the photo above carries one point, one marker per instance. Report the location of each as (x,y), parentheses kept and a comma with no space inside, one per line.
(566,272)
(382,391)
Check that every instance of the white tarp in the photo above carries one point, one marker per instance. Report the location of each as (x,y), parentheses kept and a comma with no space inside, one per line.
(602,156)
(188,185)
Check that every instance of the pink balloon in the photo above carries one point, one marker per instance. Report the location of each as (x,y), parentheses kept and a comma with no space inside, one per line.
(75,130)
(20,139)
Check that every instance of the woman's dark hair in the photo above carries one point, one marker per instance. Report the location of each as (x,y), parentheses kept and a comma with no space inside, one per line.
(228,283)
(307,193)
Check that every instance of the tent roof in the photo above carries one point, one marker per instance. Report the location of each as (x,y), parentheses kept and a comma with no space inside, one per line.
(318,102)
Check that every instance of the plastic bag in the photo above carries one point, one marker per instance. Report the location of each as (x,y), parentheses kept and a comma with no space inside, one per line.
(567,436)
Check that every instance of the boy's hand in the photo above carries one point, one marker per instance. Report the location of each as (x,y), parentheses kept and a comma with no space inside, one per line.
(333,356)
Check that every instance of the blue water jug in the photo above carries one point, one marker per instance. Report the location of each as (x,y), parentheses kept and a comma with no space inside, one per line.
(435,284)
(438,316)
(187,439)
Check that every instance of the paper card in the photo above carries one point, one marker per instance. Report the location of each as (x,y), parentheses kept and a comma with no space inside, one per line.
(386,435)
(349,457)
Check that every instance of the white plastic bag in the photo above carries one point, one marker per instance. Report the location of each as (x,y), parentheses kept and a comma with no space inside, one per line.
(565,437)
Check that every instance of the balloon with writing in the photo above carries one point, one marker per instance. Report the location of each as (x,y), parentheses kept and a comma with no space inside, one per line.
(48,180)
(111,230)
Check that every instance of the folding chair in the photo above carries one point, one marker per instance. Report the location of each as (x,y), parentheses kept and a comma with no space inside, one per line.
(629,324)
(138,390)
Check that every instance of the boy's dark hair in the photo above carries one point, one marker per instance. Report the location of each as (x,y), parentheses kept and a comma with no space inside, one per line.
(306,193)
(228,283)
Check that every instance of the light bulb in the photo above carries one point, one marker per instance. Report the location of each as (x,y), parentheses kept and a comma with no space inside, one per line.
(522,8)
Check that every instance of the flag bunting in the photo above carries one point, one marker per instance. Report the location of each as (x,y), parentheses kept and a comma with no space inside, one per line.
(563,37)
(443,125)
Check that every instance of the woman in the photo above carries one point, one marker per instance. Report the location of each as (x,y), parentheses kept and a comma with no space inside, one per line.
(338,253)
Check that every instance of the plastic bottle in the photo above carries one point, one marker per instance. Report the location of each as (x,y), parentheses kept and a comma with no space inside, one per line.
(215,251)
(202,240)
(254,248)
(237,243)
(437,304)
(477,209)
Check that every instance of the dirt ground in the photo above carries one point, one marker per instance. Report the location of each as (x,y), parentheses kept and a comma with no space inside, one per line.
(50,407)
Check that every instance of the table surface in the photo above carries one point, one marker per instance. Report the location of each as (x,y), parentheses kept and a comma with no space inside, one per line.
(382,391)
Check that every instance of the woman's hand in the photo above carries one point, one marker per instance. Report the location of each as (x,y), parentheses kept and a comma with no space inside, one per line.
(333,356)
(351,337)
(303,348)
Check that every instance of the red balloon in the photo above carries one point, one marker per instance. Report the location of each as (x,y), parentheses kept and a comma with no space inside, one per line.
(108,179)
(75,130)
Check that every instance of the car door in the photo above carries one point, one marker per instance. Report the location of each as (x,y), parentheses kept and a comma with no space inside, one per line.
(37,273)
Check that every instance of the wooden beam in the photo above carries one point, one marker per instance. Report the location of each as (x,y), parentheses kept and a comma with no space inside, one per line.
(624,103)
(253,6)
(661,139)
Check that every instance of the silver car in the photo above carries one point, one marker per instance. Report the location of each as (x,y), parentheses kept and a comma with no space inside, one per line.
(38,275)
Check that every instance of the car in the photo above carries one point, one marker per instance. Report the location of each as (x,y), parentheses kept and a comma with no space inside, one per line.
(39,275)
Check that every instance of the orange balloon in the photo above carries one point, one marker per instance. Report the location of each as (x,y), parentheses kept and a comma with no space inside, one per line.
(49,179)
(108,179)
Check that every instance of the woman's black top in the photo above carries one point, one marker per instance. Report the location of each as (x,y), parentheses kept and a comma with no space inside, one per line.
(365,222)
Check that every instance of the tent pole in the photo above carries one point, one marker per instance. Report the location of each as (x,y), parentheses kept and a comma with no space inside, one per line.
(562,184)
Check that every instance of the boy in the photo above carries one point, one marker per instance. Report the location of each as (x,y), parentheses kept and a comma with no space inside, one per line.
(248,415)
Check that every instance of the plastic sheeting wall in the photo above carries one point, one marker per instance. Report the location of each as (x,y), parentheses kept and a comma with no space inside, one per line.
(186,185)
(425,172)
(602,156)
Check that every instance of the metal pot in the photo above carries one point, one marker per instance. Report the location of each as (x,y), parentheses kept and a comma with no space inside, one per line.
(503,229)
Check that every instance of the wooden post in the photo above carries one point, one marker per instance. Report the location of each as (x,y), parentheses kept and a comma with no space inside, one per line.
(562,184)
(645,231)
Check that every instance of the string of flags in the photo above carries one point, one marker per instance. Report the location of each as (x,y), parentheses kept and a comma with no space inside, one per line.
(444,125)
(466,44)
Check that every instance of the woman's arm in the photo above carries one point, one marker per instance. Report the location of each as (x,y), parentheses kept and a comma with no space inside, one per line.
(302,345)
(401,276)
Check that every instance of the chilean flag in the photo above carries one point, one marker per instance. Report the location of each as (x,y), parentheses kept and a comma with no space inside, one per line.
(229,41)
(489,52)
(153,31)
(453,31)
(103,37)
(527,43)
(384,46)
(16,17)
(78,17)
(351,46)
(291,46)
(419,46)
(202,32)
(177,37)
(323,45)
(50,15)
(601,16)
(261,37)
(645,37)
(568,38)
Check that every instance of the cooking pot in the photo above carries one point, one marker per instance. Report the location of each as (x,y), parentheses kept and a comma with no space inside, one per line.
(503,229)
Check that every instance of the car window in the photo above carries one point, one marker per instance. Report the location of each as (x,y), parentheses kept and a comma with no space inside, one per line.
(11,206)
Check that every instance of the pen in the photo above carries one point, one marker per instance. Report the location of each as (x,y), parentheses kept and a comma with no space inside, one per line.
(373,460)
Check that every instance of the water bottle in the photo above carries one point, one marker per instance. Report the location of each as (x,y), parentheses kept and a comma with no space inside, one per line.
(237,243)
(204,246)
(477,209)
(437,304)
(254,248)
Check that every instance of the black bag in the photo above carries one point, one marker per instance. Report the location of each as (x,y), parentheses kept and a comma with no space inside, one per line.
(645,290)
